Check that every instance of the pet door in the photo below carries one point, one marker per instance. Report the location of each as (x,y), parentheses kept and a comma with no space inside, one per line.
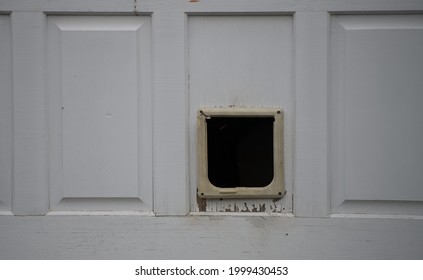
(240,152)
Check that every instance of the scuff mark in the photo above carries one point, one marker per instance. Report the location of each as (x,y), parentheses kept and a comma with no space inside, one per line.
(202,204)
(135,8)
(194,1)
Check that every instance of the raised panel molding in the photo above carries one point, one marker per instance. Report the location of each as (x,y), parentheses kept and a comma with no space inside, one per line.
(376,101)
(5,115)
(99,86)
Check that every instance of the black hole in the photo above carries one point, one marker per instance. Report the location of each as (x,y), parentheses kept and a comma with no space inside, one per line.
(240,151)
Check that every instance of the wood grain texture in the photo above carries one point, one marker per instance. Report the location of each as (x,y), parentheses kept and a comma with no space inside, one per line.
(60,6)
(209,6)
(170,110)
(5,114)
(30,165)
(130,235)
(311,197)
(241,61)
(209,237)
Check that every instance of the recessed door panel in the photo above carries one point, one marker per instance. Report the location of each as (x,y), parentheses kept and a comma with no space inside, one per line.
(241,61)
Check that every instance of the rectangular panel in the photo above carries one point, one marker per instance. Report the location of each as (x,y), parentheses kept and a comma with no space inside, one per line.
(311,192)
(171,186)
(30,152)
(376,106)
(99,81)
(241,61)
(5,115)
(210,237)
(99,104)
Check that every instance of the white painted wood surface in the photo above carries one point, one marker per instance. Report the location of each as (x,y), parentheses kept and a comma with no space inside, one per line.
(170,163)
(243,61)
(100,112)
(307,48)
(376,110)
(212,237)
(5,114)
(30,165)
(311,193)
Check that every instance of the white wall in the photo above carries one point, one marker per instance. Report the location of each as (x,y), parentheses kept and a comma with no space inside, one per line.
(98,104)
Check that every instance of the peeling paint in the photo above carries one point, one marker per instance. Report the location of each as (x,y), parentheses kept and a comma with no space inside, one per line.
(262,208)
(242,205)
(246,208)
(229,208)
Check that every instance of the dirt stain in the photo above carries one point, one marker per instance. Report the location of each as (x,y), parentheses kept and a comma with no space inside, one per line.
(202,204)
(246,208)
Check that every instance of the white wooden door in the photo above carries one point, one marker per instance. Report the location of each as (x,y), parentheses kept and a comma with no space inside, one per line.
(98,149)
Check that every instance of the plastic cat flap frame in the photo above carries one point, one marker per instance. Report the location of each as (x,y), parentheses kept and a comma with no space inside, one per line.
(240,153)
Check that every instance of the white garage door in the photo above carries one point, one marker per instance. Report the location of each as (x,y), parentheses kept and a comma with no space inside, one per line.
(98,127)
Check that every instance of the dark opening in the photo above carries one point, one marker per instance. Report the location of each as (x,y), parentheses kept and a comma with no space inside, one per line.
(240,151)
